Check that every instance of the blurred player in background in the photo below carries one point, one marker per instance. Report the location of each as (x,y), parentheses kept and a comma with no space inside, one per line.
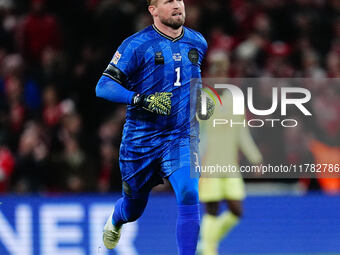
(221,145)
(151,73)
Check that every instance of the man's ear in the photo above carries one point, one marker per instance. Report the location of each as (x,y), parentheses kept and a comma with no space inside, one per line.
(153,10)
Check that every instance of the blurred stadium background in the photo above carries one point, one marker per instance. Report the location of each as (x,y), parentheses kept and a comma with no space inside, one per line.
(59,144)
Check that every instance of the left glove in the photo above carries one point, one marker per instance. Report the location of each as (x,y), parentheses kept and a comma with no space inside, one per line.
(159,103)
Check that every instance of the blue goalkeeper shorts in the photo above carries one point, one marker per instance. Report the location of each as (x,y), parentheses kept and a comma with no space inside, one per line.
(142,168)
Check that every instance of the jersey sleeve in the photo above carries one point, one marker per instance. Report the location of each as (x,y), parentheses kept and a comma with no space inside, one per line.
(111,90)
(113,85)
(203,46)
(248,146)
(125,58)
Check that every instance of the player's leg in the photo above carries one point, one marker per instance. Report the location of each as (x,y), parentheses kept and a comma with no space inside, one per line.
(209,240)
(127,209)
(211,193)
(188,221)
(234,194)
(236,207)
(137,169)
(229,219)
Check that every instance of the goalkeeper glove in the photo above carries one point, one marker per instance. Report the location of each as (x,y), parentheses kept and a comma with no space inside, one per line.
(209,109)
(159,103)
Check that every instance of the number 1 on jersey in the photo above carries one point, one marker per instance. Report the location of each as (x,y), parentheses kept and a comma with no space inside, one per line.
(178,72)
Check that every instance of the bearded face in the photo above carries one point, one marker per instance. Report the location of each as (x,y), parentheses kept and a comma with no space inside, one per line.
(175,20)
(171,13)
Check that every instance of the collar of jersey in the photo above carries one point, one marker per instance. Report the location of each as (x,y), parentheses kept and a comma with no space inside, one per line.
(168,37)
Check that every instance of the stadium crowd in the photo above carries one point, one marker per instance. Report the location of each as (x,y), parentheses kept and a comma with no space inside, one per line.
(56,136)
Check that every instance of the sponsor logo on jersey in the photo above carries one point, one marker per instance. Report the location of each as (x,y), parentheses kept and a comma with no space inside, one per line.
(177,56)
(159,58)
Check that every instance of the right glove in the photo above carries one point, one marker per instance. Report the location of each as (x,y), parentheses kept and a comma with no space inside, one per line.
(159,103)
(210,107)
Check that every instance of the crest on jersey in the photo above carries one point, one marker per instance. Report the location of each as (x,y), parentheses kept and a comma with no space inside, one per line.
(116,58)
(193,56)
(177,57)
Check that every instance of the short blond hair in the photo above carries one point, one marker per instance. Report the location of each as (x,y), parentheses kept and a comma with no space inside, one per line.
(152,2)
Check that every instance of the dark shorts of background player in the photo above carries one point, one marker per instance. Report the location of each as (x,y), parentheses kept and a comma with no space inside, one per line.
(143,168)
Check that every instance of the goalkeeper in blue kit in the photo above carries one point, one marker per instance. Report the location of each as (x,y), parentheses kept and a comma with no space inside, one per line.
(151,73)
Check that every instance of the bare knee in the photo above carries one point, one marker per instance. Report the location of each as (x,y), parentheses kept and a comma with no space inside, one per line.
(235,207)
(212,208)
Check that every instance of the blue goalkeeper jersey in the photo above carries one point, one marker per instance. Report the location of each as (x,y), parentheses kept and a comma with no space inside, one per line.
(154,62)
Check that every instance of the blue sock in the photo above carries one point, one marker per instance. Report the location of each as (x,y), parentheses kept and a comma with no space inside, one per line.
(129,209)
(188,220)
(188,227)
(117,218)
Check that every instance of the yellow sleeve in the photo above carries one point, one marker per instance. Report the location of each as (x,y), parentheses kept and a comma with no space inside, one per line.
(248,146)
